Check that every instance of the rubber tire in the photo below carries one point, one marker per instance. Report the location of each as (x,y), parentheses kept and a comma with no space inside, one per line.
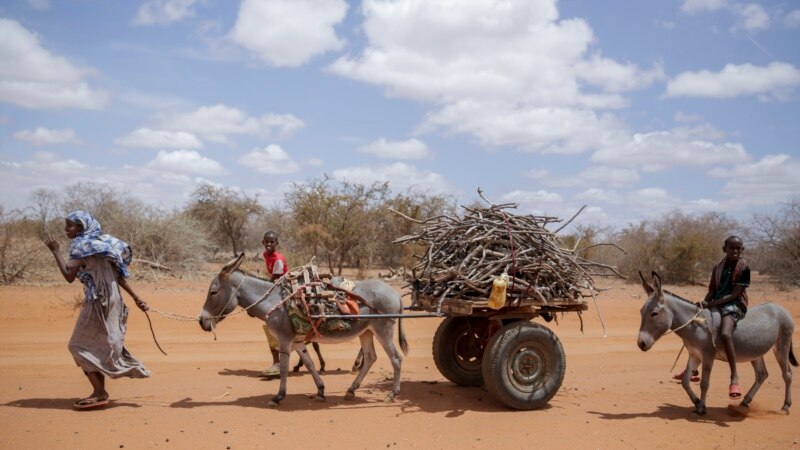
(461,369)
(536,348)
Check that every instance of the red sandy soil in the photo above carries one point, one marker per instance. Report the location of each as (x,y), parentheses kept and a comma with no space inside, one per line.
(207,394)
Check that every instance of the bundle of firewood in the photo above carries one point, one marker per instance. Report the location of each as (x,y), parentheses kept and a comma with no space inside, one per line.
(465,254)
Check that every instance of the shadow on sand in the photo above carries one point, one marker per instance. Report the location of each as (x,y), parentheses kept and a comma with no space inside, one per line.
(65,404)
(415,397)
(257,374)
(720,416)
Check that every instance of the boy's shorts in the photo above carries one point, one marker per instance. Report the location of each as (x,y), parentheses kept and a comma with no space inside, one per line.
(733,309)
(271,340)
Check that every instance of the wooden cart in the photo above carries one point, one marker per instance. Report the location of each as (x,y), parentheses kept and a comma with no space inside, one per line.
(521,363)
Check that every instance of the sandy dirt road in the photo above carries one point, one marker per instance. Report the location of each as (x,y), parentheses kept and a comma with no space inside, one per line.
(207,393)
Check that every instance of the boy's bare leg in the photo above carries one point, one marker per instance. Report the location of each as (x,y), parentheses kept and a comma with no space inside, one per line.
(726,332)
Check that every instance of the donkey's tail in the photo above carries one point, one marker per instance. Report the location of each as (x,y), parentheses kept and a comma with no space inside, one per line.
(792,359)
(402,337)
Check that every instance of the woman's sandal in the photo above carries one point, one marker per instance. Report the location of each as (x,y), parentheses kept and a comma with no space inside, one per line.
(90,402)
(734,392)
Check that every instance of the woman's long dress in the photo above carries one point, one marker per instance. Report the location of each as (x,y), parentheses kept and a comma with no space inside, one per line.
(97,342)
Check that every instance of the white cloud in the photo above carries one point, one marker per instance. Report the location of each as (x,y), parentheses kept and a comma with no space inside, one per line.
(752,17)
(47,136)
(186,161)
(699,6)
(546,129)
(32,77)
(792,20)
(680,147)
(402,177)
(616,77)
(770,180)
(532,199)
(216,122)
(511,75)
(272,159)
(163,12)
(777,80)
(598,195)
(160,139)
(155,186)
(409,149)
(704,205)
(289,32)
(651,202)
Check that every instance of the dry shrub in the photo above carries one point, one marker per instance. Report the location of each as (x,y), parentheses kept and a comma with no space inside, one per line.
(681,248)
(23,256)
(777,249)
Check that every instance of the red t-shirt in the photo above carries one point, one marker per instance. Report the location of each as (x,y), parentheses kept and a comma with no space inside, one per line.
(276,264)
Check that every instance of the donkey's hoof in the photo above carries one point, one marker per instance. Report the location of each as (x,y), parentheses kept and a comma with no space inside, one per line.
(389,399)
(785,410)
(273,404)
(319,398)
(700,411)
(349,395)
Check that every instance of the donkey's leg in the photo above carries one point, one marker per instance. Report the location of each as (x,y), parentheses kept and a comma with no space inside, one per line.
(368,348)
(761,375)
(385,336)
(305,358)
(700,403)
(319,356)
(299,364)
(782,350)
(691,366)
(285,347)
(359,361)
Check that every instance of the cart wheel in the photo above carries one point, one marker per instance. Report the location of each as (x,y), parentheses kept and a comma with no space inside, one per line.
(458,348)
(524,365)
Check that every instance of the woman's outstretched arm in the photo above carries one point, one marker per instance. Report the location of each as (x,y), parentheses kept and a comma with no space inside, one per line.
(69,273)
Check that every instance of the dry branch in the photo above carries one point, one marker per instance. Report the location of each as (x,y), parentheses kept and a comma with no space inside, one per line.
(465,254)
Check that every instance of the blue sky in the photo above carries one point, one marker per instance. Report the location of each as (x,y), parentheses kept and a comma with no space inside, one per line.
(633,108)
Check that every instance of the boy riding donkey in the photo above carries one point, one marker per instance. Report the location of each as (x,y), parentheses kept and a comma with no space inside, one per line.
(727,291)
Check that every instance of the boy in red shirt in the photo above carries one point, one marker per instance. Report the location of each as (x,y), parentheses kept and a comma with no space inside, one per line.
(276,268)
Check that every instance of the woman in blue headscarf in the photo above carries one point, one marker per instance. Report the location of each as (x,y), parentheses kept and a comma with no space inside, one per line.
(100,262)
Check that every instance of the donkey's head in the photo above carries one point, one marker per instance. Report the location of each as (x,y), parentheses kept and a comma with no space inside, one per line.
(656,315)
(220,298)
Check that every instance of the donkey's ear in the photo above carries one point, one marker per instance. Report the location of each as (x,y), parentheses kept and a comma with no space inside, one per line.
(232,265)
(657,284)
(647,288)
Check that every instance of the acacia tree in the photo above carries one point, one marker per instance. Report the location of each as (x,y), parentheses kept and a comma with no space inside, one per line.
(415,205)
(336,221)
(226,213)
(778,235)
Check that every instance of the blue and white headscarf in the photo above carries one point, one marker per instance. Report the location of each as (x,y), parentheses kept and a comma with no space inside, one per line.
(90,241)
